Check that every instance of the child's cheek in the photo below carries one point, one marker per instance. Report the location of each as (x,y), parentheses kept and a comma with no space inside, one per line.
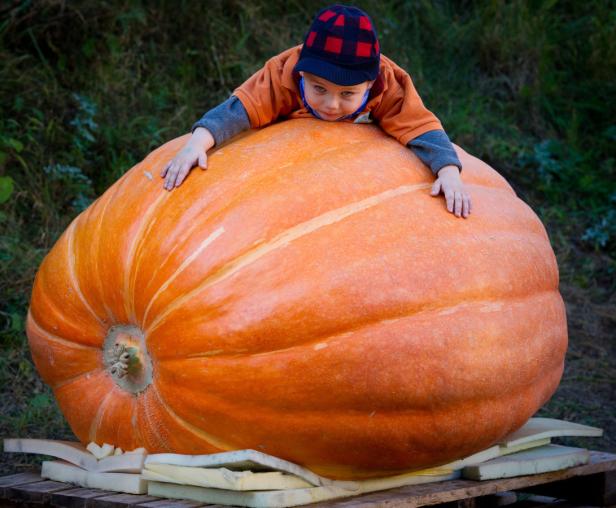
(313,100)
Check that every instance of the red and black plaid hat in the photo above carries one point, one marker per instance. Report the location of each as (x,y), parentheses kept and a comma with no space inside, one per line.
(341,46)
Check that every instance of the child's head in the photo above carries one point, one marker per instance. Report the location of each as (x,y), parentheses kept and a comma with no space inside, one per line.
(341,46)
(339,61)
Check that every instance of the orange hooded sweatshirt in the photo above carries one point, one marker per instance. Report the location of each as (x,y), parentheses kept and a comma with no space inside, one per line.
(273,92)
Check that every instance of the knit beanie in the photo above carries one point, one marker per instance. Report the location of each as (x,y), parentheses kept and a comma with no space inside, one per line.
(341,46)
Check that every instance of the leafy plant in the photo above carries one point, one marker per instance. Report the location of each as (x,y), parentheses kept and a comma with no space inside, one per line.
(6,188)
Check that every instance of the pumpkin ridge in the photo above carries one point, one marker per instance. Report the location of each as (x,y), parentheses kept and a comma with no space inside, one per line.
(108,197)
(506,299)
(79,408)
(72,272)
(239,192)
(225,405)
(189,259)
(58,308)
(154,434)
(282,239)
(74,379)
(104,232)
(537,358)
(235,190)
(96,421)
(48,354)
(196,226)
(411,312)
(212,440)
(50,336)
(136,432)
(134,257)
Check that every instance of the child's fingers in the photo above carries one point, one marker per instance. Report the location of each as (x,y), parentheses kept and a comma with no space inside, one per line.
(436,188)
(163,171)
(171,177)
(466,205)
(203,161)
(449,199)
(457,204)
(182,174)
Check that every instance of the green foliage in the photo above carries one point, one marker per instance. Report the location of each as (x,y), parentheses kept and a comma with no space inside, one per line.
(6,188)
(89,88)
(68,182)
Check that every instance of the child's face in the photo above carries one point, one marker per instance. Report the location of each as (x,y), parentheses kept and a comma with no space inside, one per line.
(332,101)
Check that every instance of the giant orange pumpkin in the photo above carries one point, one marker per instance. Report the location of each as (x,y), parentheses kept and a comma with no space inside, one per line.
(305,297)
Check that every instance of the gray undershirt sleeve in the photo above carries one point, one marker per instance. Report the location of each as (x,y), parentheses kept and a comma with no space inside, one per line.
(225,120)
(435,150)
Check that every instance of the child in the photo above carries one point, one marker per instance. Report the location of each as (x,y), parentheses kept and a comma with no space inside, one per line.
(338,74)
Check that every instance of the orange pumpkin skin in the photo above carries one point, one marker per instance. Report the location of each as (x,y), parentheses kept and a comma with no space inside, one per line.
(305,297)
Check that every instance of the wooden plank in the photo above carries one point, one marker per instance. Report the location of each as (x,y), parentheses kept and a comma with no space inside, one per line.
(38,492)
(170,503)
(5,503)
(78,497)
(17,479)
(598,489)
(454,490)
(122,500)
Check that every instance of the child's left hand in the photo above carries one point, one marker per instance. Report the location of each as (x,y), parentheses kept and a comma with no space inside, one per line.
(450,184)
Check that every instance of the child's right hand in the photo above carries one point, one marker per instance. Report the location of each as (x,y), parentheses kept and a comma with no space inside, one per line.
(193,154)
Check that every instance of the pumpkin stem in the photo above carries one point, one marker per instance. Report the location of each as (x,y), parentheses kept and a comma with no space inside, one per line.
(126,358)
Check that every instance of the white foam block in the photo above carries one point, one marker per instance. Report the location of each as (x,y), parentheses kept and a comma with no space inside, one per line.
(538,460)
(118,482)
(100,452)
(77,454)
(508,448)
(240,460)
(534,433)
(222,478)
(542,428)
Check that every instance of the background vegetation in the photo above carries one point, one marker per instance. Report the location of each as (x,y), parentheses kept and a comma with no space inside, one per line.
(89,88)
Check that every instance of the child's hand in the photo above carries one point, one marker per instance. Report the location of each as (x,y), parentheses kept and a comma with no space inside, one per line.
(194,153)
(450,184)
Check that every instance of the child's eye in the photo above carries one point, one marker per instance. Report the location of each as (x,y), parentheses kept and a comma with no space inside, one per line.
(347,94)
(319,89)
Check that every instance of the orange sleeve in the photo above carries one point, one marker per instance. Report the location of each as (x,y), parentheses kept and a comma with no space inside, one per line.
(268,93)
(401,112)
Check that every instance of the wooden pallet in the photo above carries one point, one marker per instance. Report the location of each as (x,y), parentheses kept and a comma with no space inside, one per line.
(591,484)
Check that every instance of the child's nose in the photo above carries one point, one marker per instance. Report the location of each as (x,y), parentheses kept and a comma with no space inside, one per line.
(333,103)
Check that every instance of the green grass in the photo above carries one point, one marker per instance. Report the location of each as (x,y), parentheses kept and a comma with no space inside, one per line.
(88,89)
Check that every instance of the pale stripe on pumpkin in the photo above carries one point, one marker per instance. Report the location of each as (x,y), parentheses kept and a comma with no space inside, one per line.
(71,270)
(205,243)
(99,415)
(285,238)
(133,259)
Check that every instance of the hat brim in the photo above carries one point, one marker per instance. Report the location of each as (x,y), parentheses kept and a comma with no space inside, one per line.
(344,76)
